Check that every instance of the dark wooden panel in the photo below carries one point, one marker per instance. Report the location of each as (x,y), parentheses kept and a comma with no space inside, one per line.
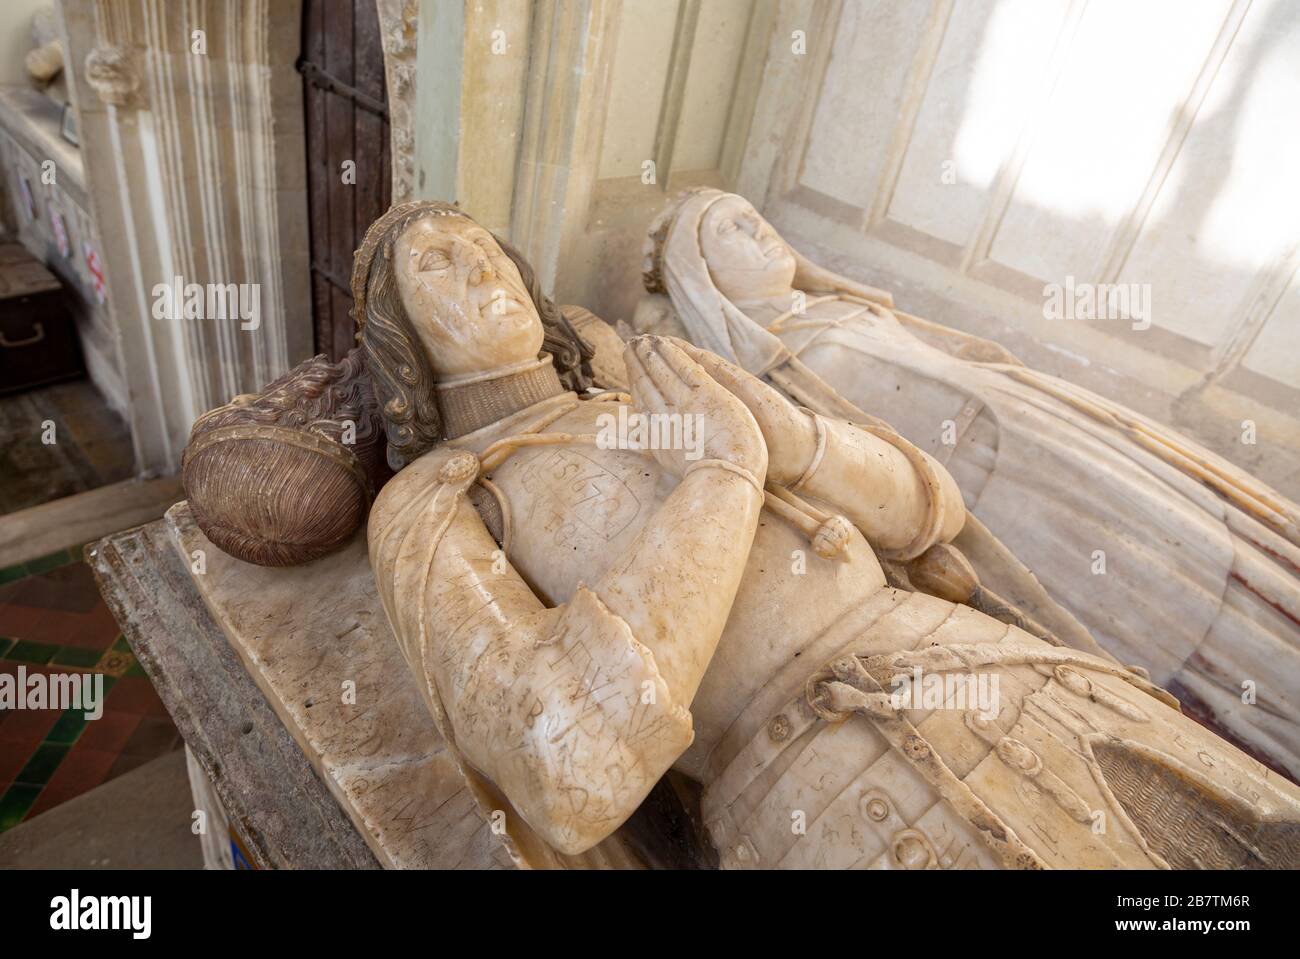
(370,130)
(313,50)
(343,66)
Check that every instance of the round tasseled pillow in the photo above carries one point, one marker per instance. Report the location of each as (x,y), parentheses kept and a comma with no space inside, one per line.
(270,498)
(287,475)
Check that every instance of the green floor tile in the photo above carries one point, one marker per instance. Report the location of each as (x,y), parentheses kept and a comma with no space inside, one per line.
(47,563)
(135,669)
(76,656)
(17,799)
(5,643)
(122,646)
(41,766)
(25,651)
(11,573)
(69,727)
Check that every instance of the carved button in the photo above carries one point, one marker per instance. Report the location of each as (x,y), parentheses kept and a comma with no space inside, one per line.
(779,728)
(831,541)
(461,466)
(916,748)
(1019,756)
(875,808)
(912,850)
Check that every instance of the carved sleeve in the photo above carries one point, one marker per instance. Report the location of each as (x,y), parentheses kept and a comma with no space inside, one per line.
(564,709)
(901,498)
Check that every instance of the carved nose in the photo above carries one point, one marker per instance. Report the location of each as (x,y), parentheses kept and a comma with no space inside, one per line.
(478,268)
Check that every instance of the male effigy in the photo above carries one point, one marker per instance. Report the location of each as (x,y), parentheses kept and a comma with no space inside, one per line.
(582,617)
(1170,556)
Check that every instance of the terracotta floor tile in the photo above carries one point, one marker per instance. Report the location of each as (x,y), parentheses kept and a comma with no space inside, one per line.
(62,628)
(80,772)
(70,588)
(100,624)
(153,737)
(133,694)
(24,727)
(43,764)
(18,621)
(12,759)
(110,732)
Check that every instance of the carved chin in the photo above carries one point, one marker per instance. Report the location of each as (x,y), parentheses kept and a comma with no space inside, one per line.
(517,331)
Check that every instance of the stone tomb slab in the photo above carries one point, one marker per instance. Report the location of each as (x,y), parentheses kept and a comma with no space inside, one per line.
(304,633)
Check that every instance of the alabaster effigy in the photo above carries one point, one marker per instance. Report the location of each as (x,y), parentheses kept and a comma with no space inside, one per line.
(287,475)
(1171,557)
(582,616)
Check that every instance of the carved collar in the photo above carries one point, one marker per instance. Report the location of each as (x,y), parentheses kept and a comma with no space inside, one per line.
(470,403)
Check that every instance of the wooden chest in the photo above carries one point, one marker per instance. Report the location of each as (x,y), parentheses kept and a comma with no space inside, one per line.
(38,339)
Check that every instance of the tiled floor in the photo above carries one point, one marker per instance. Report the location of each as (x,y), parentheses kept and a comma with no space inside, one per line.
(53,620)
(91,448)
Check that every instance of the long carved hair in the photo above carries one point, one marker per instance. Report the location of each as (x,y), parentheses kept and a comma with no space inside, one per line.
(402,377)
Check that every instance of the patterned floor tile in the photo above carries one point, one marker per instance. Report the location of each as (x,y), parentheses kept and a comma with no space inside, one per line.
(134,695)
(80,772)
(110,732)
(53,621)
(15,803)
(75,656)
(69,727)
(25,651)
(41,766)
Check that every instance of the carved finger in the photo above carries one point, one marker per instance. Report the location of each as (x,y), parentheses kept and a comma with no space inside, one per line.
(690,372)
(645,395)
(745,385)
(669,384)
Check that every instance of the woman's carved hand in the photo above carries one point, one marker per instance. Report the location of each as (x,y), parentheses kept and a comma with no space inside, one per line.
(790,433)
(714,423)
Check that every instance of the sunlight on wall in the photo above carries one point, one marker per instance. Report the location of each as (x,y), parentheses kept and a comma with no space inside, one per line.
(1096,118)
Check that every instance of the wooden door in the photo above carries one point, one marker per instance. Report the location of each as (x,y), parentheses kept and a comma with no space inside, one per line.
(348,186)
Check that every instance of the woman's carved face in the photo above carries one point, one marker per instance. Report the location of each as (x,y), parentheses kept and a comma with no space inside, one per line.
(745,256)
(464,297)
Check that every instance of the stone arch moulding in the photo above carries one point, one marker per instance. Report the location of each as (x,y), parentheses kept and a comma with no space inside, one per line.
(398,23)
(191,121)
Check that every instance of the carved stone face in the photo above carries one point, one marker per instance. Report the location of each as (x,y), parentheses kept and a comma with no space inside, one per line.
(746,257)
(464,297)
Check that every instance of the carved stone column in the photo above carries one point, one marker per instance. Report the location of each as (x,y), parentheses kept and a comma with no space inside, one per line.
(510,105)
(191,125)
(398,22)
